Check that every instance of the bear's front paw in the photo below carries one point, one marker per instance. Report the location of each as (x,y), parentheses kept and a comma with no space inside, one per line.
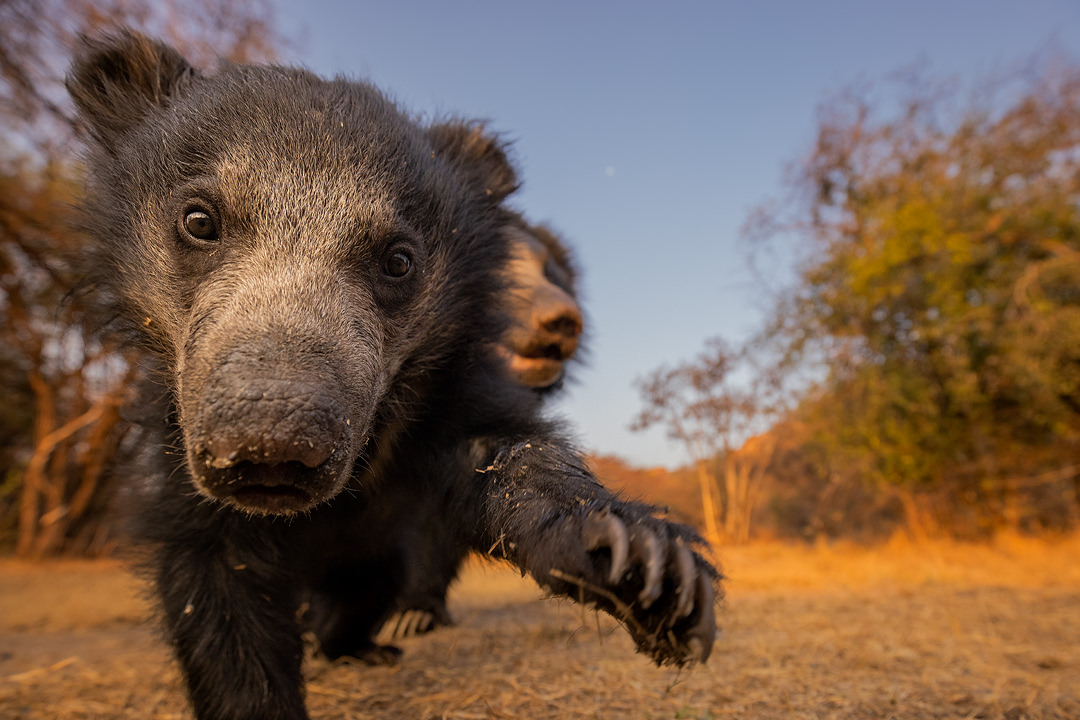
(642,571)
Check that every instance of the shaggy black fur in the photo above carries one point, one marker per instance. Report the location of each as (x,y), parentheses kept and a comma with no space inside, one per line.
(547,323)
(317,273)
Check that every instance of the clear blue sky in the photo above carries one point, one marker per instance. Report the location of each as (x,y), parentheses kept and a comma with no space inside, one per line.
(646,131)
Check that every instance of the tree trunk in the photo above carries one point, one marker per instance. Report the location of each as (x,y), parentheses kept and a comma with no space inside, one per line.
(34,480)
(733,486)
(744,470)
(100,447)
(708,506)
(916,518)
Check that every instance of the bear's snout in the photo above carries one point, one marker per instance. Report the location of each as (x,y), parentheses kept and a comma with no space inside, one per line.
(269,442)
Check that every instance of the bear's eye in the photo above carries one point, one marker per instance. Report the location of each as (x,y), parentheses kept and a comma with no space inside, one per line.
(397,265)
(200,225)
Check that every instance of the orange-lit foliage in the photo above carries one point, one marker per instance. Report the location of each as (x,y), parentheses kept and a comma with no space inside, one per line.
(936,303)
(676,490)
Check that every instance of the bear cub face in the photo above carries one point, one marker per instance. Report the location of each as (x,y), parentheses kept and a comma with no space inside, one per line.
(292,244)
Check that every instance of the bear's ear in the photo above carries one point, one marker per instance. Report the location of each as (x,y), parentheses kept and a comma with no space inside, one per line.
(117,79)
(482,156)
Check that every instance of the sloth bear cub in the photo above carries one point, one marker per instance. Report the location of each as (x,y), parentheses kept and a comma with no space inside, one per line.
(318,275)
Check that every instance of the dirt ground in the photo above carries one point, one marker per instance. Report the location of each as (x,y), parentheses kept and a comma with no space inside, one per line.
(936,630)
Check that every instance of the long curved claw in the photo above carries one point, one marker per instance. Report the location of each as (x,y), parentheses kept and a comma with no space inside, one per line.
(419,623)
(646,549)
(704,632)
(411,623)
(682,628)
(401,628)
(689,578)
(605,530)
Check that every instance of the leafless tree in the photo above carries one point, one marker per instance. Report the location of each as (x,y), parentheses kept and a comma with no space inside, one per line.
(703,405)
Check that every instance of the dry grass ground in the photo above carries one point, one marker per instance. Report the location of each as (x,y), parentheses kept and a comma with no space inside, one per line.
(931,631)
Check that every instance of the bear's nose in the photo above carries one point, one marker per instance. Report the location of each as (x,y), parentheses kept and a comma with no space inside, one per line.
(558,317)
(270,437)
(271,421)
